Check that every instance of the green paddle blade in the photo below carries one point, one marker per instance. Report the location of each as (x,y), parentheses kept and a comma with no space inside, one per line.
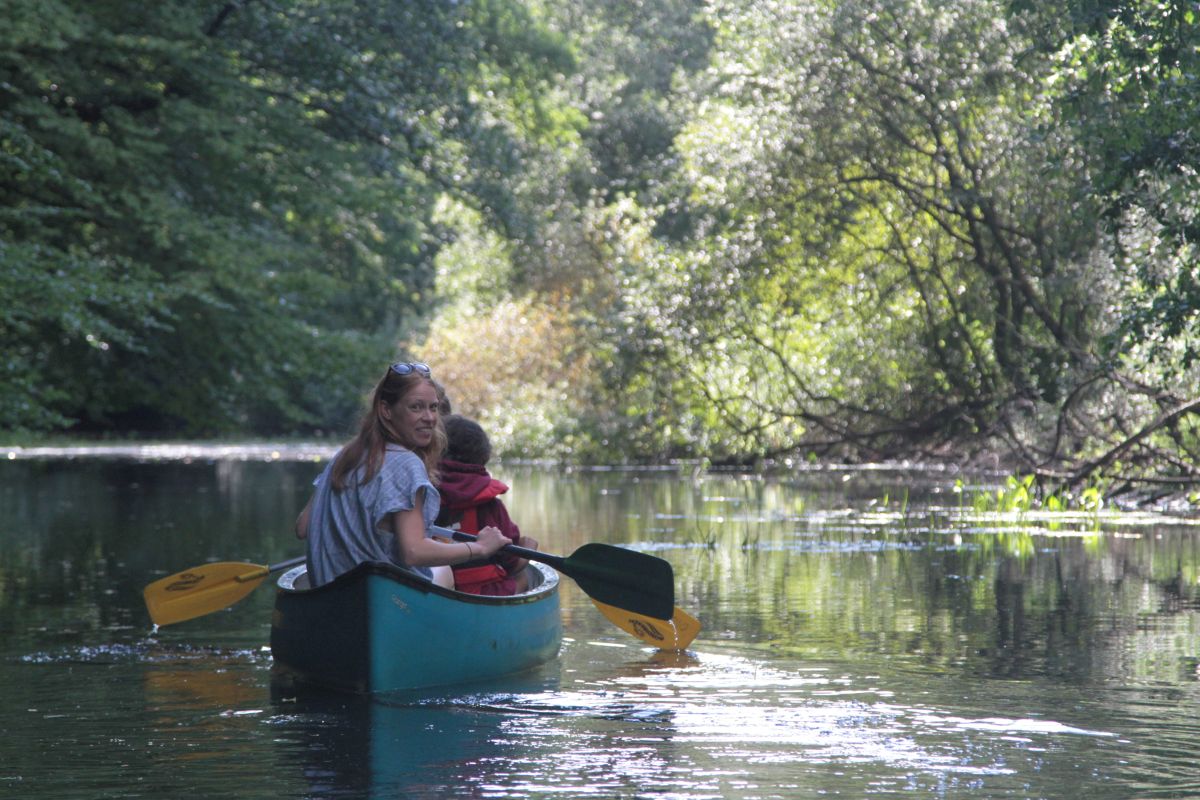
(626,579)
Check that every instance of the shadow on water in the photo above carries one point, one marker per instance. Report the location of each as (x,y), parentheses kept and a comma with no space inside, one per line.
(348,745)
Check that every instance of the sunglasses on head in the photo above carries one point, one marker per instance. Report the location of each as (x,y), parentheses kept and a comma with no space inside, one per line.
(409,367)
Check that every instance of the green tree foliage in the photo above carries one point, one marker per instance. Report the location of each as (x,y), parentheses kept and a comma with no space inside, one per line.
(722,228)
(895,242)
(612,171)
(1126,75)
(869,229)
(886,257)
(217,216)
(1130,72)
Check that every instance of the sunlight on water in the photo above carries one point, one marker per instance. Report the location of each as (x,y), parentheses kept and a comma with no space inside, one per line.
(851,647)
(703,725)
(1002,725)
(181,451)
(147,652)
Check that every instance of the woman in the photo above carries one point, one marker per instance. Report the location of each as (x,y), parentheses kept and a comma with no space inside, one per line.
(375,501)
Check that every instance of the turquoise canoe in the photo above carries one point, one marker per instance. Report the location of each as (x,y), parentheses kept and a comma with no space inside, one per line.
(380,628)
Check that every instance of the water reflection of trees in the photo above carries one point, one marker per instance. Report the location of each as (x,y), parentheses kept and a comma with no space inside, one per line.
(1004,602)
(82,537)
(761,562)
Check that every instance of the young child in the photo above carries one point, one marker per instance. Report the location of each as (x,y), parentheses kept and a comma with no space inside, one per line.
(471,498)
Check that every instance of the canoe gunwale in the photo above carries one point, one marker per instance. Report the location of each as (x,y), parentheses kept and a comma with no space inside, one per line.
(410,579)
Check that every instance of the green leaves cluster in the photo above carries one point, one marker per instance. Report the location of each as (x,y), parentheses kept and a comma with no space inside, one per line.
(1130,72)
(872,256)
(911,228)
(218,216)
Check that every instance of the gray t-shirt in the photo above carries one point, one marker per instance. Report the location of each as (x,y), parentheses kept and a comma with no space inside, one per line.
(348,527)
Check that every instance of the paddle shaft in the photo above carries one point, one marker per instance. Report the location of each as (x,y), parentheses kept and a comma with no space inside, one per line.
(674,634)
(634,582)
(629,580)
(282,565)
(524,552)
(261,572)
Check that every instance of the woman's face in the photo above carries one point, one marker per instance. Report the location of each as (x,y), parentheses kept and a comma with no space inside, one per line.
(414,416)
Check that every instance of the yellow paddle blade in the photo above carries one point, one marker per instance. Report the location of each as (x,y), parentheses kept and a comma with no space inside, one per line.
(201,590)
(674,635)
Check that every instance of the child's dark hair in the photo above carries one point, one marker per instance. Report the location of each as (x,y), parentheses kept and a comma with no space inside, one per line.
(467,441)
(444,407)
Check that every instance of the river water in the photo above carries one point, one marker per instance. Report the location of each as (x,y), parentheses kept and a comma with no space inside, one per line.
(866,634)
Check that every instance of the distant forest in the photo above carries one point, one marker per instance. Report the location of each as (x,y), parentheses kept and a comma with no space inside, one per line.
(733,230)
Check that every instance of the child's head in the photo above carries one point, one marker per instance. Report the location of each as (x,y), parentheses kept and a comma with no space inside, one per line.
(467,442)
(444,407)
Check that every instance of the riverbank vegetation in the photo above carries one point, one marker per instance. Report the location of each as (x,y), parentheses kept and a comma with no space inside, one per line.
(739,230)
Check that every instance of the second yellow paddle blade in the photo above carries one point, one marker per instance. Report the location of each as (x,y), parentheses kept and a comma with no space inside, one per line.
(200,590)
(674,635)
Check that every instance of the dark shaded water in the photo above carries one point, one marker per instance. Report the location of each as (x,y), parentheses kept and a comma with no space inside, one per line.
(855,645)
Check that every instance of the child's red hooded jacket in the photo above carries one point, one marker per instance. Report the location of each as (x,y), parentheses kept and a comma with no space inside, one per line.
(470,497)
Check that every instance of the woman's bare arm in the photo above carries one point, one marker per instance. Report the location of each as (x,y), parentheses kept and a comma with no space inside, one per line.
(418,551)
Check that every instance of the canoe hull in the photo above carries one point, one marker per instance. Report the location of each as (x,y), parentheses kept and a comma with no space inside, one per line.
(379,628)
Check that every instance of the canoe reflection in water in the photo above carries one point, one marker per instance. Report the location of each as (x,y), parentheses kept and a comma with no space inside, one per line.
(422,743)
(508,735)
(353,745)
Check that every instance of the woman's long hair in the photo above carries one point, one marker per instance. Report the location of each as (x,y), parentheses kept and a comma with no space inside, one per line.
(376,432)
